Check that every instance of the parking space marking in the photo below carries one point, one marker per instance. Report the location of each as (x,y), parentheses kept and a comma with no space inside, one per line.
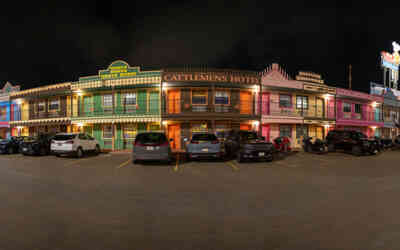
(124,163)
(77,161)
(177,163)
(233,165)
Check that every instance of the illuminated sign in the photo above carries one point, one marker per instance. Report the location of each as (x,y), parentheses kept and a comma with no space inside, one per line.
(309,77)
(390,61)
(120,70)
(210,77)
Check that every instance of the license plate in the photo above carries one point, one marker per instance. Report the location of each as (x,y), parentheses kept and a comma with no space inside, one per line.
(149,148)
(24,149)
(205,150)
(59,144)
(261,154)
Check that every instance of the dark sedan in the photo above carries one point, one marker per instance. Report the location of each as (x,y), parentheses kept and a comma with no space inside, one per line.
(37,145)
(10,146)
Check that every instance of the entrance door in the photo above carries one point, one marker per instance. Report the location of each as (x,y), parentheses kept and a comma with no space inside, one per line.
(320,132)
(320,107)
(174,101)
(245,102)
(245,126)
(174,133)
(265,131)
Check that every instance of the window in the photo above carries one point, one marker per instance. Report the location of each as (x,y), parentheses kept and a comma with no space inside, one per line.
(130,99)
(285,101)
(302,102)
(301,130)
(199,97)
(3,113)
(346,107)
(357,108)
(41,106)
(285,130)
(107,100)
(107,132)
(54,105)
(130,131)
(221,97)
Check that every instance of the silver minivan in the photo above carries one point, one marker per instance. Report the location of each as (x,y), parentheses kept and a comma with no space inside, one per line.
(151,146)
(205,145)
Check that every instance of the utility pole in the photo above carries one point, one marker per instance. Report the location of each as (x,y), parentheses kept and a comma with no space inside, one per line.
(350,76)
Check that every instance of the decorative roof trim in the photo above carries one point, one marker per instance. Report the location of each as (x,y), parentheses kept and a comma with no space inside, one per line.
(66,85)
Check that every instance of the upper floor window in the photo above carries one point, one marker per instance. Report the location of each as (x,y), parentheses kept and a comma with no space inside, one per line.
(302,102)
(346,107)
(54,105)
(3,113)
(285,130)
(129,99)
(221,97)
(357,108)
(107,100)
(285,101)
(107,132)
(199,97)
(41,106)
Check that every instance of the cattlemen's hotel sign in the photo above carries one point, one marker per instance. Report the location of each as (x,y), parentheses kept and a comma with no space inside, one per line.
(233,77)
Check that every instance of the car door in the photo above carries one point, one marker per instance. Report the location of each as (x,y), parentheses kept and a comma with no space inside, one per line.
(92,142)
(346,140)
(83,142)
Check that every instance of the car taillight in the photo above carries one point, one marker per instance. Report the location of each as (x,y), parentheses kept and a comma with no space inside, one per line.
(164,144)
(194,142)
(214,142)
(137,144)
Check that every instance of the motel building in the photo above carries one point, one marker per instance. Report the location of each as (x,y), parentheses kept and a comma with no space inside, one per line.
(116,104)
(41,110)
(197,100)
(6,109)
(359,111)
(296,108)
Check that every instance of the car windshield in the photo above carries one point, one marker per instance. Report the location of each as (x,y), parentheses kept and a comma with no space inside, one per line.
(204,137)
(249,136)
(63,137)
(360,135)
(151,138)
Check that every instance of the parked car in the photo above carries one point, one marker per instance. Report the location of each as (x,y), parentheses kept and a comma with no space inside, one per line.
(313,144)
(150,146)
(350,140)
(205,145)
(9,146)
(76,144)
(247,145)
(282,144)
(36,145)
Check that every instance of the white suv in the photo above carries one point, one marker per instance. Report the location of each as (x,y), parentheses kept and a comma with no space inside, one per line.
(73,143)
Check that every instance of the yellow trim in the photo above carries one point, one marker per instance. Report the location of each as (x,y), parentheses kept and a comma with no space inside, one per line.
(44,88)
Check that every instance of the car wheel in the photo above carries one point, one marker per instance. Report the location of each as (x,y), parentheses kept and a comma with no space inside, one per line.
(10,150)
(79,153)
(331,147)
(356,150)
(43,151)
(58,155)
(309,148)
(97,150)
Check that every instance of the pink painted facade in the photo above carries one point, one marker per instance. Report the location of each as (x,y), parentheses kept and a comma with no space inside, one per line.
(365,120)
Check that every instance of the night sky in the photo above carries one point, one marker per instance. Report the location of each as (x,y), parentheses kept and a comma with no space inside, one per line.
(47,43)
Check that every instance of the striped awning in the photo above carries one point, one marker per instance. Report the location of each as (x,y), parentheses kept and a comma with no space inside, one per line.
(116,120)
(41,121)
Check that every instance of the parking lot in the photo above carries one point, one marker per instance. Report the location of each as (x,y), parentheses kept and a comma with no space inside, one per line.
(299,201)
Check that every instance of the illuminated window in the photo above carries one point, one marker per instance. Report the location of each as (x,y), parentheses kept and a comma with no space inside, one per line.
(285,101)
(107,132)
(222,97)
(346,107)
(3,113)
(107,100)
(302,102)
(130,131)
(199,97)
(54,105)
(41,106)
(130,99)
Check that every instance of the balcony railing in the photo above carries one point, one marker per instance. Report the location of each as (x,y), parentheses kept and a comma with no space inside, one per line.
(92,110)
(308,111)
(32,114)
(178,106)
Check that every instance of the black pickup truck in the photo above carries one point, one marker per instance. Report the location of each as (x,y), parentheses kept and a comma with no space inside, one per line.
(353,141)
(247,145)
